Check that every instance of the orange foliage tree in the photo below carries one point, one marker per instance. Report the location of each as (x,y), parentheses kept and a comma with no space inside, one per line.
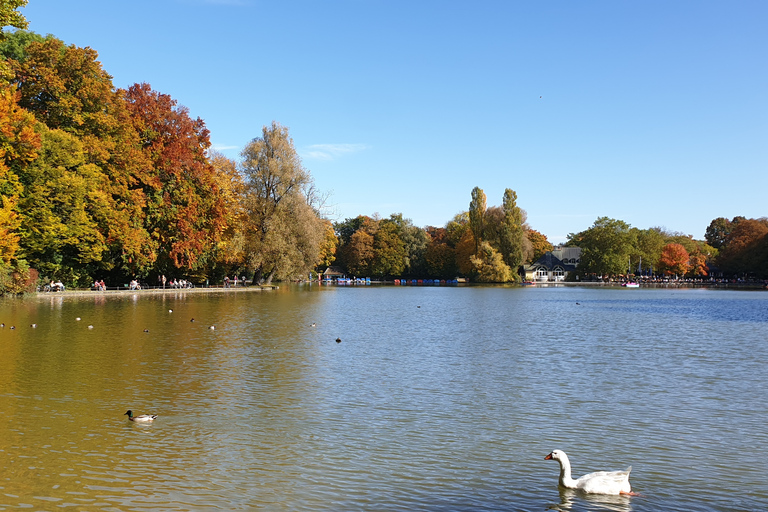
(744,248)
(186,213)
(674,260)
(18,146)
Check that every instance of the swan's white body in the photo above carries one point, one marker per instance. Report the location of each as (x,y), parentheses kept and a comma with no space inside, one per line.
(600,482)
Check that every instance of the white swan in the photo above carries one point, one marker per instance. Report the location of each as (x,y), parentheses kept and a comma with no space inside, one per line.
(600,482)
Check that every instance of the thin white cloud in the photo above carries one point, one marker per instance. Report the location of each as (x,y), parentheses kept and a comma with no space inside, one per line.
(332,151)
(223,147)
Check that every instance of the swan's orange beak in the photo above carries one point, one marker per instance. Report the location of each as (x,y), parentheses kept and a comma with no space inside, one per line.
(548,457)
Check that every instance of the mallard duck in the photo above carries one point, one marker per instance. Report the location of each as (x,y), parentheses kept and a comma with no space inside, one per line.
(144,418)
(600,482)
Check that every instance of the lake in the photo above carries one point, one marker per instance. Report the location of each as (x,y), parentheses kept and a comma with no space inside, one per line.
(436,399)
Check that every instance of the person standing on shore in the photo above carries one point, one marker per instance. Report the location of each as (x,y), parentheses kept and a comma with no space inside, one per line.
(163,281)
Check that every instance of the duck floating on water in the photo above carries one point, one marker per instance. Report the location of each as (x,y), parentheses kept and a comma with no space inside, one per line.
(600,482)
(144,418)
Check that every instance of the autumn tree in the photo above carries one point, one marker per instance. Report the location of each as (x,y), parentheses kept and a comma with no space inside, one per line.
(19,145)
(230,249)
(440,254)
(328,246)
(489,265)
(10,17)
(67,89)
(186,212)
(356,252)
(674,260)
(539,245)
(284,232)
(742,251)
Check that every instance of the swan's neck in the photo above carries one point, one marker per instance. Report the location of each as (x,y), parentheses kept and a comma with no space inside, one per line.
(565,472)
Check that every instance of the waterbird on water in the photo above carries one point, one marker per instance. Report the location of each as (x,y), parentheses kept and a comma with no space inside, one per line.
(144,418)
(338,340)
(599,482)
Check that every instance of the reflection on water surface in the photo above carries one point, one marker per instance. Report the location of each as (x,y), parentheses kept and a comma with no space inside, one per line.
(437,399)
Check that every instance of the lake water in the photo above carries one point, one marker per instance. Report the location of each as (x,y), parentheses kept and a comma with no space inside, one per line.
(437,399)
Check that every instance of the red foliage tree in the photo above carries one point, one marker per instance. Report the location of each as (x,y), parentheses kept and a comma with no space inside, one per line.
(185,211)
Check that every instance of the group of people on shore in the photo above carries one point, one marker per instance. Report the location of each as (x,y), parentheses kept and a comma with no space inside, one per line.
(228,282)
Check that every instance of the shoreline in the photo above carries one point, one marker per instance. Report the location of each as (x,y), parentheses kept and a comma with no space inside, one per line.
(152,291)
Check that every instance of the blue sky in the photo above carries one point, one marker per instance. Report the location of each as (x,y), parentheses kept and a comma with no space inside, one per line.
(651,112)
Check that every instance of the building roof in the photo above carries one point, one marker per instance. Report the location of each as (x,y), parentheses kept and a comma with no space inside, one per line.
(566,258)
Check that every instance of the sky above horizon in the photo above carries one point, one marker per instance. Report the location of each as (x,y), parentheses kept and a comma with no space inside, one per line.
(653,112)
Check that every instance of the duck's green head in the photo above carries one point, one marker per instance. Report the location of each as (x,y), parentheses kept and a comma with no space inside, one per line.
(129,413)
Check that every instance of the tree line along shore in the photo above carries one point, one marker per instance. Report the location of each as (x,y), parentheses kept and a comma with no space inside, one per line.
(104,183)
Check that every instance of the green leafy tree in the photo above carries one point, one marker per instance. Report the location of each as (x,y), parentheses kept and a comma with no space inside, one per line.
(389,251)
(512,235)
(717,232)
(415,241)
(605,247)
(477,208)
(64,205)
(648,244)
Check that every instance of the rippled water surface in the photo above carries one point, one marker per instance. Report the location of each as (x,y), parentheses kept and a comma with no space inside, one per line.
(436,399)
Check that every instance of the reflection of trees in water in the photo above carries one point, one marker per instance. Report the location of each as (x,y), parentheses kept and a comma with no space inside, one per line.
(571,499)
